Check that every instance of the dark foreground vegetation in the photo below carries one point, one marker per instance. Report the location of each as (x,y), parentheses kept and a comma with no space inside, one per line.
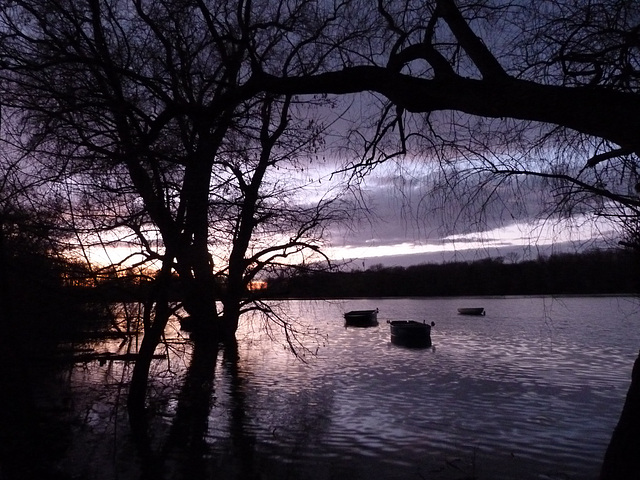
(592,273)
(40,320)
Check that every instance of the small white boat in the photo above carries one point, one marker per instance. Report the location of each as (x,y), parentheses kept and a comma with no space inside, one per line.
(471,311)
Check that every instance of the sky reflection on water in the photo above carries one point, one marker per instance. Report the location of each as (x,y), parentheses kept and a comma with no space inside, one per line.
(532,389)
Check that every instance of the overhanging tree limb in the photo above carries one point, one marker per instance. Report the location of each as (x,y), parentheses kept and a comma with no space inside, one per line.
(604,113)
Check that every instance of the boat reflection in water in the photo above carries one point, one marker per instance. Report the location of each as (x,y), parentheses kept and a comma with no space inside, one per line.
(471,311)
(409,333)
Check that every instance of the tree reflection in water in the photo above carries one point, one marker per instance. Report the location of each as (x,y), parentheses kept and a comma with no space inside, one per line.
(207,415)
(252,410)
(186,452)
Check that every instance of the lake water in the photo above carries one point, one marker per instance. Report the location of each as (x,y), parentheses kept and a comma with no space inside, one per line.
(532,390)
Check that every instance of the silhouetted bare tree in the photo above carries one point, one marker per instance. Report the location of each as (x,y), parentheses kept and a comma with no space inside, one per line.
(158,92)
(145,113)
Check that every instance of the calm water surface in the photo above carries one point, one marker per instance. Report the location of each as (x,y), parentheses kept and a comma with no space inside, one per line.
(532,390)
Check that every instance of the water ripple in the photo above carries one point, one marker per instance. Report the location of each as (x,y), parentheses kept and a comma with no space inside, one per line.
(520,383)
(531,391)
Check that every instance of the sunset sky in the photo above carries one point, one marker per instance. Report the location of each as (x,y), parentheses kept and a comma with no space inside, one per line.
(406,223)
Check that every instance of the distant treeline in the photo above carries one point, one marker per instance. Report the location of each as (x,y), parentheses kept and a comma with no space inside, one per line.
(595,272)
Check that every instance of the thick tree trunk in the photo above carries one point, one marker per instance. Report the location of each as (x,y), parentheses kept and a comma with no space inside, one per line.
(622,459)
(152,336)
(231,319)
(206,323)
(140,375)
(199,299)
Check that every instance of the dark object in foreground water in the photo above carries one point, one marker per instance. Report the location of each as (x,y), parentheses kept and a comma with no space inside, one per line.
(622,458)
(361,318)
(409,333)
(471,311)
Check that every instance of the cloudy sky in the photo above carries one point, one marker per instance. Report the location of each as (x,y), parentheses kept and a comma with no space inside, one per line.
(411,223)
(405,216)
(401,216)
(400,219)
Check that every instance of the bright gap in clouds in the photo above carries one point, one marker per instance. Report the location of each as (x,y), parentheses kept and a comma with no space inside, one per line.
(414,221)
(521,241)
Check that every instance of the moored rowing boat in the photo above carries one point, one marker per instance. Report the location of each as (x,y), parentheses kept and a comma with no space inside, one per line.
(409,333)
(361,318)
